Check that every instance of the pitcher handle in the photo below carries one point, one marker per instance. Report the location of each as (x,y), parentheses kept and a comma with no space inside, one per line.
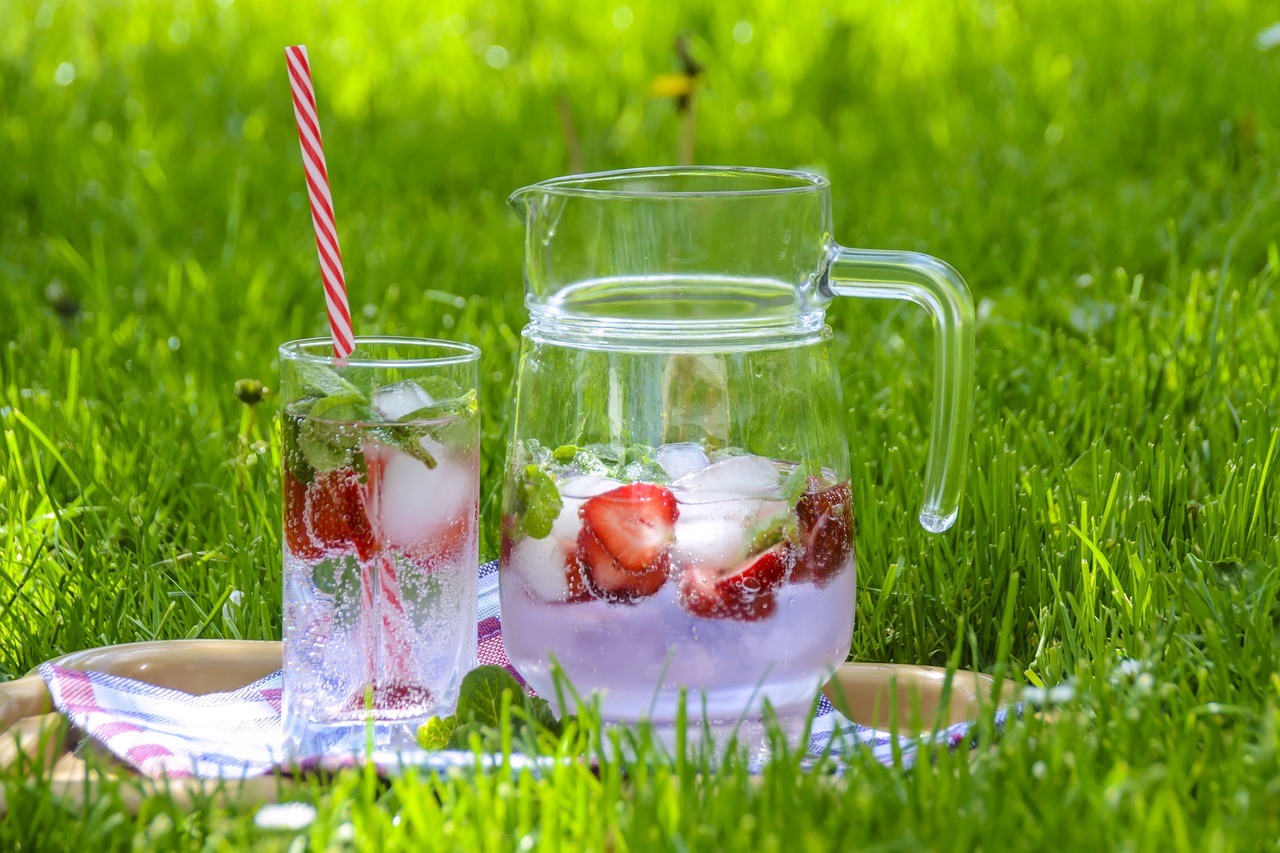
(939,289)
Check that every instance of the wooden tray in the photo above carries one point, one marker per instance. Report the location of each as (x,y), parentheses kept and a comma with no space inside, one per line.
(30,727)
(890,697)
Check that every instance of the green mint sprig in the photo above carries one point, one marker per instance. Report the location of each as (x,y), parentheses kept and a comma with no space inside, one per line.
(628,463)
(323,438)
(765,534)
(480,702)
(408,439)
(538,501)
(318,437)
(796,484)
(320,381)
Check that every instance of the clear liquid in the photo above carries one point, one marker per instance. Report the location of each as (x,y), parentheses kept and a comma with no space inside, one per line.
(638,656)
(377,639)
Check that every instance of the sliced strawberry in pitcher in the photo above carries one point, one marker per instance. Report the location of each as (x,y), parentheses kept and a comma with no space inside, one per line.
(625,538)
(605,576)
(746,592)
(295,524)
(336,514)
(575,577)
(826,531)
(635,523)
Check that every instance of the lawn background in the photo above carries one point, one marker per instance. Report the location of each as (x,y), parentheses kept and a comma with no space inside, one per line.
(1105,174)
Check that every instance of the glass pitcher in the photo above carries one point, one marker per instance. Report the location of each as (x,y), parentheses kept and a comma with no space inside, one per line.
(677,516)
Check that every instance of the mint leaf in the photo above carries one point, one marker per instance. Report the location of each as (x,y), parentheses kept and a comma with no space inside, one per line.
(339,577)
(326,444)
(531,452)
(423,595)
(436,732)
(796,483)
(440,387)
(479,713)
(320,381)
(564,455)
(490,737)
(407,438)
(325,435)
(480,696)
(630,463)
(540,714)
(538,500)
(324,576)
(464,406)
(343,407)
(291,436)
(361,378)
(766,534)
(612,456)
(639,464)
(447,421)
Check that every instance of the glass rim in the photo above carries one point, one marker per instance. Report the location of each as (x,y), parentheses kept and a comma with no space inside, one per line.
(302,350)
(604,184)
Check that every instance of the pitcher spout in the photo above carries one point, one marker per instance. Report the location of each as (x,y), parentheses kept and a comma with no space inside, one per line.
(521,201)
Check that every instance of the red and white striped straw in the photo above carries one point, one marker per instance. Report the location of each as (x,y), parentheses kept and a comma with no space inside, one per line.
(392,638)
(335,285)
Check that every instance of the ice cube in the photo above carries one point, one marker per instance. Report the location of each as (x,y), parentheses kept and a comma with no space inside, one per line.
(574,492)
(398,399)
(681,459)
(717,533)
(738,476)
(713,533)
(417,504)
(709,541)
(541,563)
(587,486)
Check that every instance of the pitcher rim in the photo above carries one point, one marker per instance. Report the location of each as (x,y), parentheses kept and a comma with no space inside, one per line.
(586,184)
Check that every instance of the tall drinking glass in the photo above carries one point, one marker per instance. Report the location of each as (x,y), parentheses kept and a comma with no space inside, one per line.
(380,466)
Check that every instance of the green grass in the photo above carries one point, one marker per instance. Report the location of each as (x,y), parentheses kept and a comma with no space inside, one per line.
(1106,175)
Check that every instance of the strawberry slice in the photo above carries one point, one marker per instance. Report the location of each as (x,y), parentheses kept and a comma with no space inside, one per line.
(448,544)
(746,592)
(296,536)
(576,579)
(635,523)
(604,577)
(390,696)
(625,538)
(507,544)
(826,532)
(335,514)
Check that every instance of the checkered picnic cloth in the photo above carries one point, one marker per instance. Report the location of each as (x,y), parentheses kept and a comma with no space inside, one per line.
(161,732)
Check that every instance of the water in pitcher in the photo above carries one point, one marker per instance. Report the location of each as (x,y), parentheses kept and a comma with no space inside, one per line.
(727,574)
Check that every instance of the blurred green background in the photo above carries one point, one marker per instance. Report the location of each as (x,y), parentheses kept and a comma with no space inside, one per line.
(1103,173)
